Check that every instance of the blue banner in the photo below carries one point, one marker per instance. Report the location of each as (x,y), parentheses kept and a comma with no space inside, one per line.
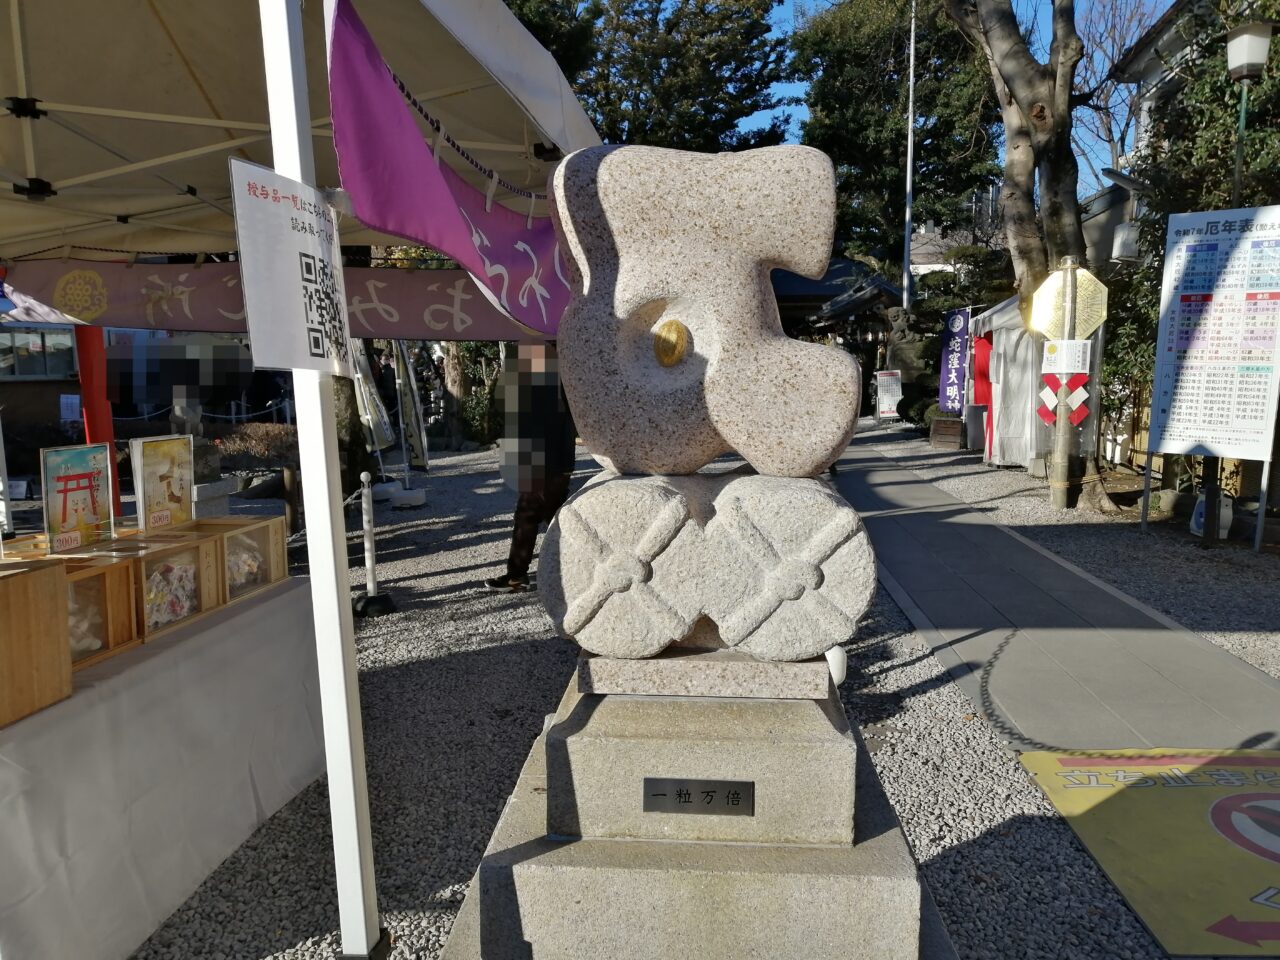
(955,342)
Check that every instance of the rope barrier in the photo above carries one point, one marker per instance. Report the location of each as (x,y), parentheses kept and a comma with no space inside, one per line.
(460,150)
(148,416)
(243,416)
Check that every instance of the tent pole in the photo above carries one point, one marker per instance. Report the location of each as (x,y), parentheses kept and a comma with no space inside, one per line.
(281,22)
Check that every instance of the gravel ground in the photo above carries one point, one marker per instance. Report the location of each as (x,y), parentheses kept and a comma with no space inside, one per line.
(454,688)
(1008,875)
(1228,595)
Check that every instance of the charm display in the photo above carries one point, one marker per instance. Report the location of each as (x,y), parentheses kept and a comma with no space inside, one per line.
(247,566)
(171,591)
(86,618)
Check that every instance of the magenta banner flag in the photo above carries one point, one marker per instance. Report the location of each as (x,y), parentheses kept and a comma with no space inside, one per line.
(396,186)
(381,302)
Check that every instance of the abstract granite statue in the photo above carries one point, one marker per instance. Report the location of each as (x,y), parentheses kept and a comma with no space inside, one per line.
(671,354)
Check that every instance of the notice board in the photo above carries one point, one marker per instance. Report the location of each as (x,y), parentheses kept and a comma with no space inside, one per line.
(1216,371)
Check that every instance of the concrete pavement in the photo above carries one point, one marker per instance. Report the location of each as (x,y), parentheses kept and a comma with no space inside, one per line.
(1051,657)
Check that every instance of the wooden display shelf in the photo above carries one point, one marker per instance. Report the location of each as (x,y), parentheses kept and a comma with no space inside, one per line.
(30,546)
(251,551)
(101,603)
(177,577)
(35,652)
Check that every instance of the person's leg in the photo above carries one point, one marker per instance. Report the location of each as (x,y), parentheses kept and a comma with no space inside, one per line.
(524,534)
(555,494)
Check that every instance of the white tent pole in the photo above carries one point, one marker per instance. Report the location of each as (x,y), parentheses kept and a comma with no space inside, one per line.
(20,67)
(326,529)
(222,146)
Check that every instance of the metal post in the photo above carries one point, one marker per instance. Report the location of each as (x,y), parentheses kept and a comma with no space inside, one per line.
(370,557)
(1060,480)
(1241,121)
(1212,466)
(1262,507)
(911,147)
(370,603)
(404,446)
(1146,491)
(291,147)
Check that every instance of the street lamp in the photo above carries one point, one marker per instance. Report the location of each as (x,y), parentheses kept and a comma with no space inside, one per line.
(1246,56)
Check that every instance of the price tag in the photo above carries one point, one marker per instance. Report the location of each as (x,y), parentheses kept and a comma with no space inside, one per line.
(67,541)
(161,518)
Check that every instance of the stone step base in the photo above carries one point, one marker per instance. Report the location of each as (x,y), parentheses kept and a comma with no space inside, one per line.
(678,672)
(535,898)
(798,754)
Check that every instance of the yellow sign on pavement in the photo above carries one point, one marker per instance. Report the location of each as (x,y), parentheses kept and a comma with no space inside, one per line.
(1048,305)
(1190,837)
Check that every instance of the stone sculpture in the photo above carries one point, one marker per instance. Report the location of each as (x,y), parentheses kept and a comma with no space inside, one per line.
(697,792)
(672,353)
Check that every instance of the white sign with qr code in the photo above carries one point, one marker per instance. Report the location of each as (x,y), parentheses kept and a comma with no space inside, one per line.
(291,269)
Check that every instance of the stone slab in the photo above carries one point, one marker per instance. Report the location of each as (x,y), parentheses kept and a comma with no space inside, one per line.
(535,898)
(709,673)
(799,754)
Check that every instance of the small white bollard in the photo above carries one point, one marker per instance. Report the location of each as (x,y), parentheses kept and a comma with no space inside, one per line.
(370,603)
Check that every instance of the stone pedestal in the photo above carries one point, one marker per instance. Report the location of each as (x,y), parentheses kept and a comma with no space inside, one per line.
(578,869)
(680,672)
(797,754)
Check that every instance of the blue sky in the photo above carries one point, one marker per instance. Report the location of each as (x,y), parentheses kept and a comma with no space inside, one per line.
(784,19)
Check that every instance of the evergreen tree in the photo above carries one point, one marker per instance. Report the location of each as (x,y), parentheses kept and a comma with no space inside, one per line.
(684,73)
(854,56)
(566,28)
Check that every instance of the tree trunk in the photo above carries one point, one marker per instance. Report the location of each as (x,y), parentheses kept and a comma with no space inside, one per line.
(1018,200)
(457,387)
(1035,104)
(353,454)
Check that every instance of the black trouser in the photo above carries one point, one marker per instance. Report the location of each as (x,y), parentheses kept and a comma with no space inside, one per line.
(533,509)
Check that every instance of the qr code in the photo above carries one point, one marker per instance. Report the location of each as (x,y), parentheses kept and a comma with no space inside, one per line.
(326,337)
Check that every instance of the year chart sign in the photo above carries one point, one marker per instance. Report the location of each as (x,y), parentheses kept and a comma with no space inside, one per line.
(1216,372)
(292,273)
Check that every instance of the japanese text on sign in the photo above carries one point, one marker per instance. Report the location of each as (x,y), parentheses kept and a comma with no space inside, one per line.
(888,393)
(1065,356)
(734,798)
(1216,374)
(292,273)
(955,343)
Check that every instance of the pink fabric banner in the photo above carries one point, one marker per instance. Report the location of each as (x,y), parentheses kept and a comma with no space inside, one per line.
(381,302)
(396,186)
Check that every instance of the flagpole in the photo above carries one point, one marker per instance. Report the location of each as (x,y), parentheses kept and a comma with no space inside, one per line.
(911,144)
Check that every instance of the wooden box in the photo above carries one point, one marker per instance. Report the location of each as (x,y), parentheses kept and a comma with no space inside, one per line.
(101,602)
(35,654)
(175,578)
(251,551)
(946,433)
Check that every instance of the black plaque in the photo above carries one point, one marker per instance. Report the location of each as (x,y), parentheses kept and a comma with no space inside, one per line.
(725,798)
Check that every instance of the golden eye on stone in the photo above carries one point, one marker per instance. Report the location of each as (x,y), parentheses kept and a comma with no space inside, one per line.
(670,342)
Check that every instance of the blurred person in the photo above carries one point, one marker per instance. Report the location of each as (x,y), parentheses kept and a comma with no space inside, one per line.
(537,453)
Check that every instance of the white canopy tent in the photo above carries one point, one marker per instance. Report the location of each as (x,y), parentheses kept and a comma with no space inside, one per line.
(122,117)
